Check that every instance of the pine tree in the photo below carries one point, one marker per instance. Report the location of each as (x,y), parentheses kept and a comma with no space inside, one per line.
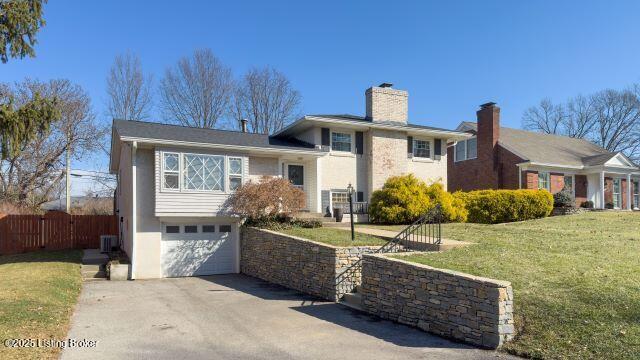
(20,20)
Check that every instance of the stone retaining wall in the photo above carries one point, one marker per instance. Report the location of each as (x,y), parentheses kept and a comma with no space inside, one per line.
(296,263)
(456,305)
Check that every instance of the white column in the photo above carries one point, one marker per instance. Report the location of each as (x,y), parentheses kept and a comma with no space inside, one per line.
(602,204)
(629,187)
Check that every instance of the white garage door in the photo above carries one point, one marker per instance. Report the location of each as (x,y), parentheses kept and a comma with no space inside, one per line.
(198,249)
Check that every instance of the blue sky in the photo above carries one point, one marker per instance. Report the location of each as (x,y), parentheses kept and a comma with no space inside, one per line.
(450,56)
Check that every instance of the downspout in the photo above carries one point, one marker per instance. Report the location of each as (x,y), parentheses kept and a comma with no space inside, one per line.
(134,214)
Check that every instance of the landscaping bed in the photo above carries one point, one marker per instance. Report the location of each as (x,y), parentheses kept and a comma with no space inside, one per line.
(335,237)
(37,294)
(575,280)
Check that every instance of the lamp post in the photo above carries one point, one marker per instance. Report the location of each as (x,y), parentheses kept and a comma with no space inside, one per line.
(350,192)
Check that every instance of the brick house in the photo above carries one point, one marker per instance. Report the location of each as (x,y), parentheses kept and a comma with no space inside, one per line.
(503,158)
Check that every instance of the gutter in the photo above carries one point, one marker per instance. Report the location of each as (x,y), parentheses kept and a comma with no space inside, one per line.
(223,146)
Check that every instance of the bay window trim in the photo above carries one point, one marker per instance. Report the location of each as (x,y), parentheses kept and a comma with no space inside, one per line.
(226,175)
(176,172)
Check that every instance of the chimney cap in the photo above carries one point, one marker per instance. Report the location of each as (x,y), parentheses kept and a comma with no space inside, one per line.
(385,85)
(487,105)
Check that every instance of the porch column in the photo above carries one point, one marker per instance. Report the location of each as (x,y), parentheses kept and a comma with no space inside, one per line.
(629,187)
(602,187)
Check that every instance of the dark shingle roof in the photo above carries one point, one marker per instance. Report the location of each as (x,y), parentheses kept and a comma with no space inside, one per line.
(551,149)
(362,119)
(157,131)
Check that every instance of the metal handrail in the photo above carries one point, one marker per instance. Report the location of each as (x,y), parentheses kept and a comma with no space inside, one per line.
(426,230)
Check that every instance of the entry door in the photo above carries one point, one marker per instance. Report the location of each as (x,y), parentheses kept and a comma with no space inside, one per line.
(296,175)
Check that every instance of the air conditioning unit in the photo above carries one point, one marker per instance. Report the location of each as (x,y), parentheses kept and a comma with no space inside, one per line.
(107,242)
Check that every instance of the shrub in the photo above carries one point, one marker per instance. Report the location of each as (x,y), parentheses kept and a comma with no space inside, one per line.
(587,204)
(500,206)
(608,205)
(563,198)
(403,199)
(267,199)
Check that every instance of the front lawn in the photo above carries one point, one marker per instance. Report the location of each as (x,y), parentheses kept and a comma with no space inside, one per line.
(37,294)
(335,237)
(576,280)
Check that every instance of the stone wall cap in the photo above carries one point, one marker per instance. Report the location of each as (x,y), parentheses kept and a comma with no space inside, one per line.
(484,280)
(311,241)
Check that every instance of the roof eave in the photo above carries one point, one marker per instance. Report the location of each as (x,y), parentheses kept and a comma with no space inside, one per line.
(272,150)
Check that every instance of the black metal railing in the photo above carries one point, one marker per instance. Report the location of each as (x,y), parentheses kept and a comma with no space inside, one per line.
(359,207)
(423,233)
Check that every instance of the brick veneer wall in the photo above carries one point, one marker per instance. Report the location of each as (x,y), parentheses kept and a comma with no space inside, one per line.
(468,308)
(387,104)
(581,189)
(296,263)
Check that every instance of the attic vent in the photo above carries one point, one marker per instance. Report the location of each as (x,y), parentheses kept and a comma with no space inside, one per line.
(385,85)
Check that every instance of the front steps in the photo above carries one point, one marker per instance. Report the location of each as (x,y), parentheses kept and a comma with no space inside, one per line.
(94,265)
(353,299)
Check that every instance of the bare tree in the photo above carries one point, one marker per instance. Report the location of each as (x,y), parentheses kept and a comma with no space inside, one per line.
(33,175)
(197,91)
(128,89)
(266,98)
(581,117)
(617,120)
(546,117)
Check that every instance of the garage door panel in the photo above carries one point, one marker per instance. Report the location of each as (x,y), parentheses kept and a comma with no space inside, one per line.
(189,254)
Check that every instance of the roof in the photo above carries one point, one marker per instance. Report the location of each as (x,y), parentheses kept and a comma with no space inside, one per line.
(549,149)
(158,131)
(360,121)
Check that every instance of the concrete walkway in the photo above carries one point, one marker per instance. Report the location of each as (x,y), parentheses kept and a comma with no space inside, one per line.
(239,317)
(445,244)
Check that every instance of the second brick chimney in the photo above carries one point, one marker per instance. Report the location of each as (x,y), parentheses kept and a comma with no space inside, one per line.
(387,104)
(488,129)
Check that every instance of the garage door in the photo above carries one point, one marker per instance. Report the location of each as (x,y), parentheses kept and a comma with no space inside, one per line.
(198,249)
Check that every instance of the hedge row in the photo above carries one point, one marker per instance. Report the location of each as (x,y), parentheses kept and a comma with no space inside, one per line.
(500,206)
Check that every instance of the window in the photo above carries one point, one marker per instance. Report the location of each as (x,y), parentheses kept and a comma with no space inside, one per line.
(235,173)
(543,181)
(466,149)
(173,229)
(568,183)
(208,228)
(203,172)
(636,194)
(340,142)
(191,229)
(171,171)
(472,148)
(225,228)
(617,196)
(421,148)
(339,197)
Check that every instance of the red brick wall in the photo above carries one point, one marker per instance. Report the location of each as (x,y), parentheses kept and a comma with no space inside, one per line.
(530,179)
(623,192)
(608,190)
(581,189)
(557,182)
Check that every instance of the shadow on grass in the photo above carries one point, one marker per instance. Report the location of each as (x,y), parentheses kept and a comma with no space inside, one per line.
(69,256)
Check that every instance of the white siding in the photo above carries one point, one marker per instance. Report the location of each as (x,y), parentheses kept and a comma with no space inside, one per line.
(260,166)
(124,198)
(186,203)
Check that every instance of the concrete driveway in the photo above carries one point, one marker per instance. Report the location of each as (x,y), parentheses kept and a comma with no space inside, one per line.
(238,317)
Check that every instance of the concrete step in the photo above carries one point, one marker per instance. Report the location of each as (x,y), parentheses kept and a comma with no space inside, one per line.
(94,274)
(353,299)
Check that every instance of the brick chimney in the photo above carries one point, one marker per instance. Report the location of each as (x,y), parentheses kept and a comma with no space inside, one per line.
(488,129)
(387,104)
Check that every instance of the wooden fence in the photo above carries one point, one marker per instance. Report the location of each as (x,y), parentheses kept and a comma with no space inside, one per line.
(53,231)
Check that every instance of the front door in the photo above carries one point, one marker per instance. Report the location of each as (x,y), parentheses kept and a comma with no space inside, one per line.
(296,175)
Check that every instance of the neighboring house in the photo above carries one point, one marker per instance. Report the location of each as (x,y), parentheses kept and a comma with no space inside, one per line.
(503,158)
(174,181)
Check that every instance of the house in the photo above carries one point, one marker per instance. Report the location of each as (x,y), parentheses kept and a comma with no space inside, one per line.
(503,158)
(174,181)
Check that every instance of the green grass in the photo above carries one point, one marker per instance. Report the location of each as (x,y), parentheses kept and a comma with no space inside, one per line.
(37,294)
(335,237)
(576,281)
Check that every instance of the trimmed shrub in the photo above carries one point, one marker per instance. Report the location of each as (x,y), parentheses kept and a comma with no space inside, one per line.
(563,198)
(403,199)
(501,206)
(587,204)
